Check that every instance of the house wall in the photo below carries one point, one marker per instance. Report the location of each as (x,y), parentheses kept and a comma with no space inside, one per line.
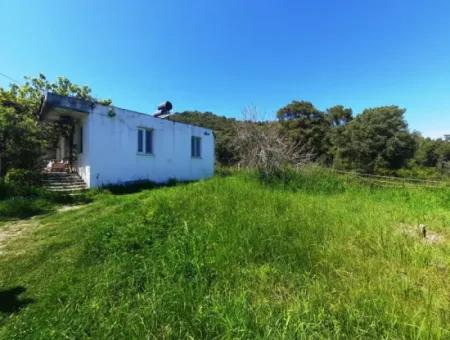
(111,155)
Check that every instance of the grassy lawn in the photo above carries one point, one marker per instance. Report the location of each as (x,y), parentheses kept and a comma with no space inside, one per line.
(318,257)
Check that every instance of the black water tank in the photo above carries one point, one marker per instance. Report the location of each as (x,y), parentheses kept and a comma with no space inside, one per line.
(165,107)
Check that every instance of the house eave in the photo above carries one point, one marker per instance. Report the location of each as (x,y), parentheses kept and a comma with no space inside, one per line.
(53,106)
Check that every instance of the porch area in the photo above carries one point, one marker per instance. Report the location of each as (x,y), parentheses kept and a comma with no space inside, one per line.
(64,157)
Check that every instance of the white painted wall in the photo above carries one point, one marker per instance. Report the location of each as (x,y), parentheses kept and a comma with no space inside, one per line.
(110,153)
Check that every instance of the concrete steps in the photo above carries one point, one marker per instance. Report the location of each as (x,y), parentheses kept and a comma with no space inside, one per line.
(63,182)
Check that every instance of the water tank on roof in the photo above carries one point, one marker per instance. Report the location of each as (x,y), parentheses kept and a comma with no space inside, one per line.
(163,110)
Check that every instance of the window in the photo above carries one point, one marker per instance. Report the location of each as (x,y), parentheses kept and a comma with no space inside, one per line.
(196,147)
(80,141)
(148,141)
(140,140)
(145,141)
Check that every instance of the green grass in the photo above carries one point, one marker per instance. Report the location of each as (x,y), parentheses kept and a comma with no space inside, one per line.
(24,201)
(313,256)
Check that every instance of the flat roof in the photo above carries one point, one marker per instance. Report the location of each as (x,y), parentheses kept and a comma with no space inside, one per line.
(53,105)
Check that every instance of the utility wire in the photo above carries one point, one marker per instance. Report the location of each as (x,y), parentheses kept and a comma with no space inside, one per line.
(9,78)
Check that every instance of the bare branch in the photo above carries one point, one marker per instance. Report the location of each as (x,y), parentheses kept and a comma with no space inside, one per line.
(263,146)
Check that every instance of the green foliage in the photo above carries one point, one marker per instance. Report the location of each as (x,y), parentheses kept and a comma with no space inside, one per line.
(427,153)
(377,138)
(22,139)
(426,173)
(235,258)
(22,207)
(338,118)
(307,127)
(20,197)
(23,177)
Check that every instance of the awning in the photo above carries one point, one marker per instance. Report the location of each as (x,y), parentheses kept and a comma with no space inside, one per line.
(54,106)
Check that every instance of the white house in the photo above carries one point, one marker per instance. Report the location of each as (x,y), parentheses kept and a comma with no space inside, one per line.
(110,145)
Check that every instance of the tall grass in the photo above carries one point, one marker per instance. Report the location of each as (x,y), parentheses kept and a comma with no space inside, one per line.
(306,256)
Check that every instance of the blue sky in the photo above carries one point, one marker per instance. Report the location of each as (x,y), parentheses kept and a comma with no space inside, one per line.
(223,56)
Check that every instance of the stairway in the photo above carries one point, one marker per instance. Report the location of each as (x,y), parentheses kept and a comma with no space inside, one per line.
(63,182)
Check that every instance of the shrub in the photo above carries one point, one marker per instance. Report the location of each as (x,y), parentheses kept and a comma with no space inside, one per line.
(21,207)
(12,188)
(23,177)
(266,147)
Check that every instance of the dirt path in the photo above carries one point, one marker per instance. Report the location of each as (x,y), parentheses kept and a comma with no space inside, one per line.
(14,229)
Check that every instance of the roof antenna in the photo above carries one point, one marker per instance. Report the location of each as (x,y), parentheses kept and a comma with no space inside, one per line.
(163,110)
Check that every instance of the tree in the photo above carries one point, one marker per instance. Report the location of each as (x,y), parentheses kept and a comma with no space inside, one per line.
(378,138)
(23,136)
(337,117)
(22,140)
(443,153)
(427,152)
(306,126)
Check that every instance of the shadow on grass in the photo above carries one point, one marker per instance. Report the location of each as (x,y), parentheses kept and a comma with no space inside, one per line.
(10,301)
(138,186)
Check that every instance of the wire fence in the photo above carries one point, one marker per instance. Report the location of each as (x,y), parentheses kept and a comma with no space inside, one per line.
(394,181)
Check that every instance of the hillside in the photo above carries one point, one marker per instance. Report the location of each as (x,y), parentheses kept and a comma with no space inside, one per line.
(319,256)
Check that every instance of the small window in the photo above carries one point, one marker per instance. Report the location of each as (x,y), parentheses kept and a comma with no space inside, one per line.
(145,141)
(196,147)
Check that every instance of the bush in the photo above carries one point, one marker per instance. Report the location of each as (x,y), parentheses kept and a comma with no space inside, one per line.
(21,207)
(427,173)
(23,177)
(19,198)
(10,189)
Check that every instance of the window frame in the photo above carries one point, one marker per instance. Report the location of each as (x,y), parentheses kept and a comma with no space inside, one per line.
(196,147)
(144,132)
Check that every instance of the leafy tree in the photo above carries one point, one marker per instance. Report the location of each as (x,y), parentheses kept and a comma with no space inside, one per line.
(22,140)
(307,127)
(337,117)
(443,153)
(378,138)
(427,152)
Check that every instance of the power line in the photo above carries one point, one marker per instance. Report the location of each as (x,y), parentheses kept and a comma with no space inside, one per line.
(9,78)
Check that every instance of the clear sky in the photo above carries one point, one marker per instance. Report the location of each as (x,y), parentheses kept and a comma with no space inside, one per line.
(224,55)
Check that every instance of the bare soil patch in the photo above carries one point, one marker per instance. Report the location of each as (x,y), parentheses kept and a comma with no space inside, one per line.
(14,229)
(422,232)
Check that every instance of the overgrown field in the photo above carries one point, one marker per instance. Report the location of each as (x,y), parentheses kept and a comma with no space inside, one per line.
(318,256)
